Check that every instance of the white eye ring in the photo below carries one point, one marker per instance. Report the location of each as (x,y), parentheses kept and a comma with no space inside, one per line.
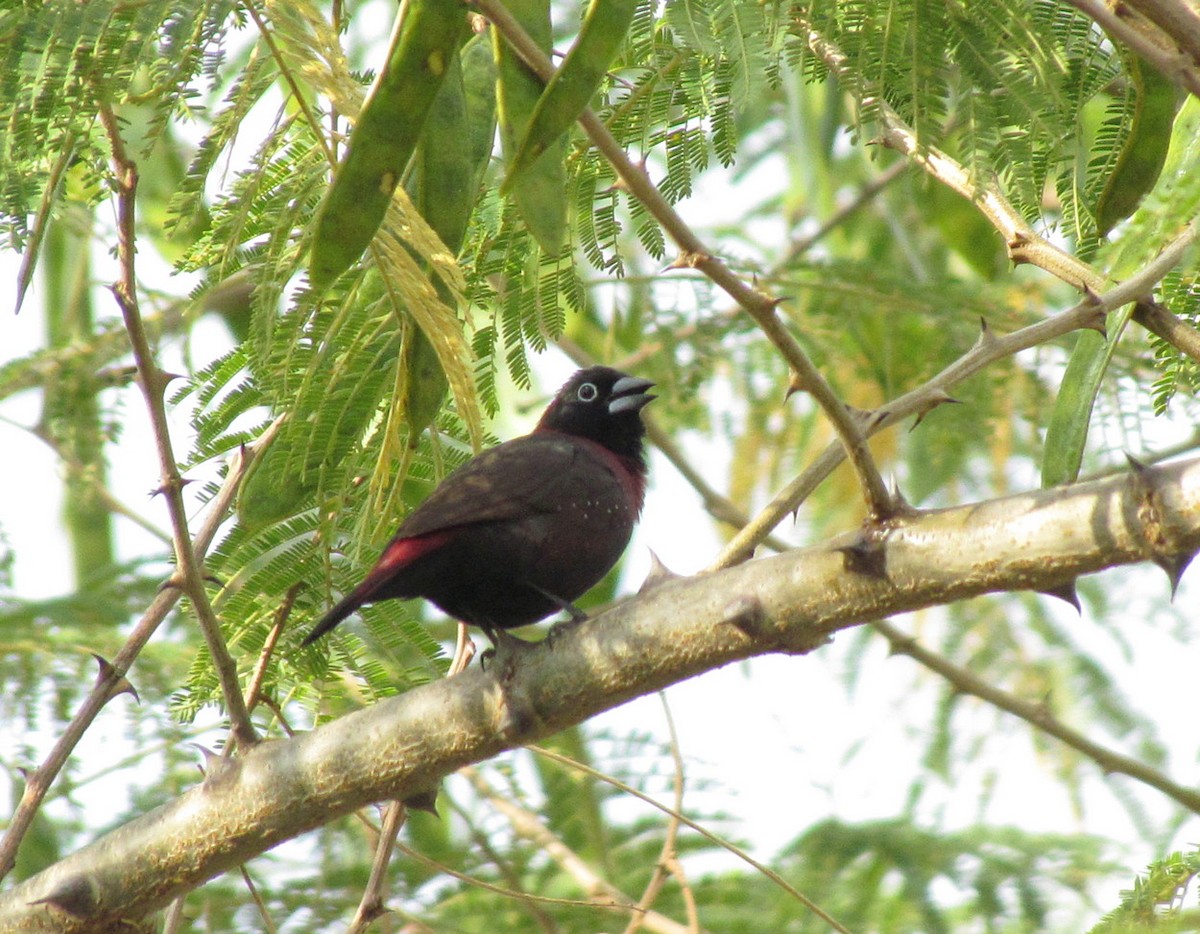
(587,392)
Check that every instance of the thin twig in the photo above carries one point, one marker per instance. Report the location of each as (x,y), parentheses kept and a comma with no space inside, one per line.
(1037,715)
(254,688)
(666,864)
(1118,21)
(153,381)
(511,876)
(865,195)
(268,924)
(1090,312)
(514,894)
(694,254)
(371,906)
(39,782)
(1024,244)
(599,891)
(737,851)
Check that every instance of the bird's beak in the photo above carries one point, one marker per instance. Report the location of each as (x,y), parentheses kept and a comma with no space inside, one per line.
(629,395)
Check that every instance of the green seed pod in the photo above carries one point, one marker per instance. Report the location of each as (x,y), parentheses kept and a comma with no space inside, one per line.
(384,138)
(540,191)
(570,90)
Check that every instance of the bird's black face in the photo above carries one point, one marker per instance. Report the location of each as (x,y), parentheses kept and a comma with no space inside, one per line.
(604,405)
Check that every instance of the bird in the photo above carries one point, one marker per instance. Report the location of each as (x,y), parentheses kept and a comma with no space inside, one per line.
(525,528)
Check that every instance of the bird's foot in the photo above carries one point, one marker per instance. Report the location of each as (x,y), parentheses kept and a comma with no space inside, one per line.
(506,649)
(564,626)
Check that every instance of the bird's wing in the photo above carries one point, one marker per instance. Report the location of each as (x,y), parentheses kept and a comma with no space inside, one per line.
(519,478)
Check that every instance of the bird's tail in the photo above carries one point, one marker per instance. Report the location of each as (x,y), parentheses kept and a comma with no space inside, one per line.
(343,608)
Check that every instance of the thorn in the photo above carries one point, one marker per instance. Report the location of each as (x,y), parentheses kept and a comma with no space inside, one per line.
(120,684)
(1174,566)
(210,757)
(877,418)
(862,416)
(937,397)
(1163,543)
(162,487)
(986,336)
(900,503)
(217,769)
(174,582)
(776,302)
(76,896)
(1065,592)
(745,614)
(900,645)
(423,801)
(1140,468)
(659,574)
(376,911)
(1016,246)
(687,260)
(865,556)
(795,385)
(1089,295)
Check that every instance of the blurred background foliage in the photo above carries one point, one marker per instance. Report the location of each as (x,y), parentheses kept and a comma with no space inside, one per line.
(387,377)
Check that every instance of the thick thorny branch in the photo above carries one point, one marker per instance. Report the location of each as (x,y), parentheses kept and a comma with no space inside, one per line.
(694,254)
(788,603)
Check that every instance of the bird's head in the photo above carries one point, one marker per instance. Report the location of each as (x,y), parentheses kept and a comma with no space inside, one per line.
(604,405)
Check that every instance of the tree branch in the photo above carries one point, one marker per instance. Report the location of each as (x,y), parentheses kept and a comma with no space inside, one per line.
(789,603)
(38,783)
(1123,23)
(1037,715)
(1024,244)
(1090,312)
(152,380)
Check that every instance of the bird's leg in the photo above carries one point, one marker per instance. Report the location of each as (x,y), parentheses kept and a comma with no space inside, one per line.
(577,615)
(505,650)
(464,651)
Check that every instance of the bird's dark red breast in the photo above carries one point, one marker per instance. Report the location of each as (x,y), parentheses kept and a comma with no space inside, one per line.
(530,525)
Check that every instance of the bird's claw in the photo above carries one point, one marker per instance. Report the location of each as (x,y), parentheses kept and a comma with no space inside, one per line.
(506,649)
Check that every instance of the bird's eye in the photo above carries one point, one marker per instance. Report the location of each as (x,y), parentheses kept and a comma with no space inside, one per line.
(587,392)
